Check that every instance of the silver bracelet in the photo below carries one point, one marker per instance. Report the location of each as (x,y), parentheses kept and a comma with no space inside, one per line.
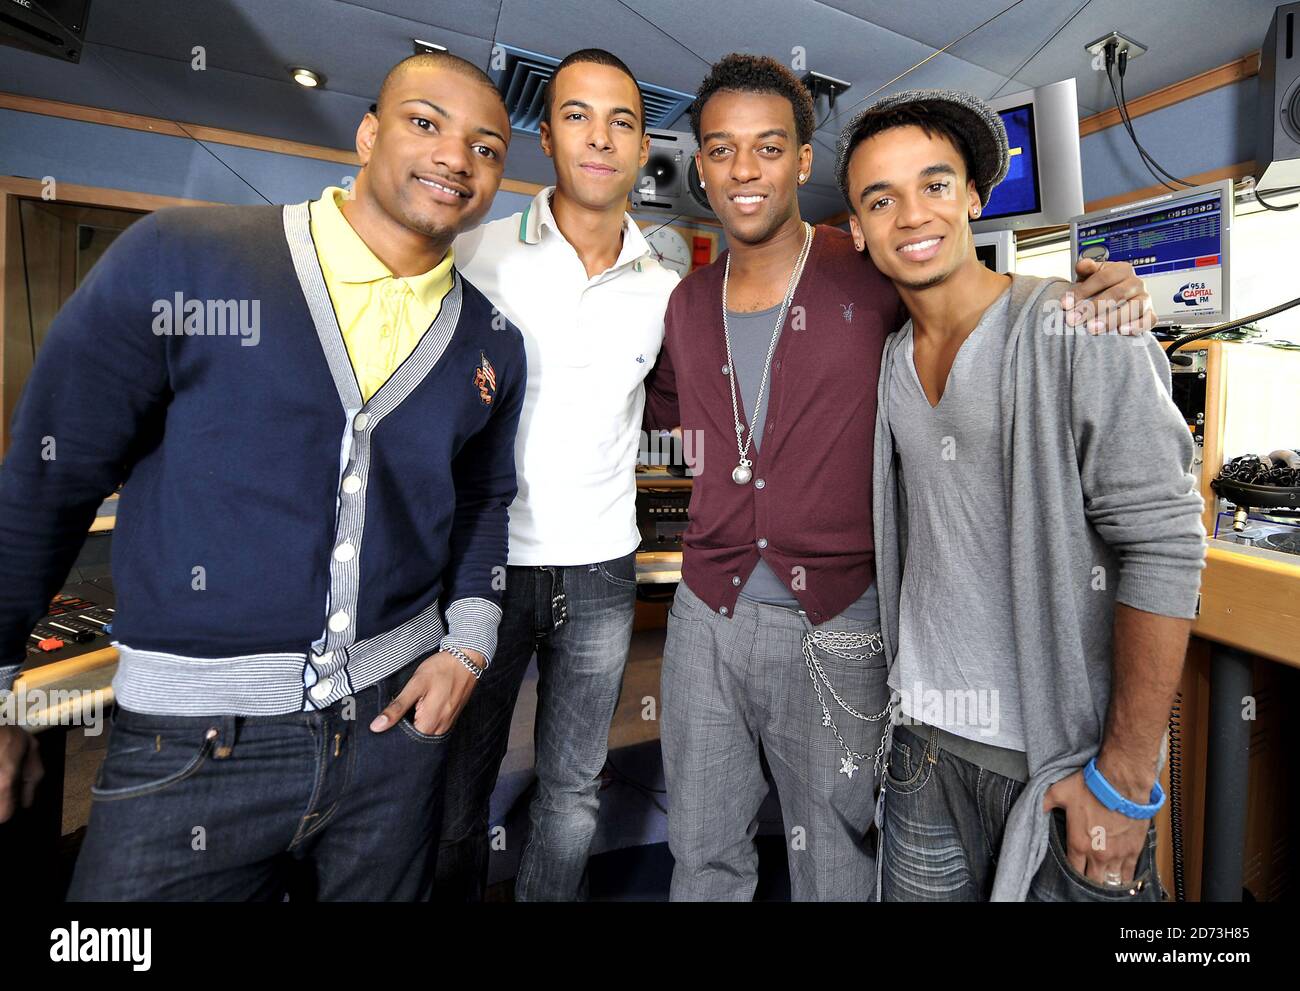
(463,657)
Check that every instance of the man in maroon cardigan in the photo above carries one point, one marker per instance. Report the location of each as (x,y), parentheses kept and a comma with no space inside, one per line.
(773,638)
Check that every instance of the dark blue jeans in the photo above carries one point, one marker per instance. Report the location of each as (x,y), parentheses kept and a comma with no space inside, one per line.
(578,620)
(244,808)
(944,820)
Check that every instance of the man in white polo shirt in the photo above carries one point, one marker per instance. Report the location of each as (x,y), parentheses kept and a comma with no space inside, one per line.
(575,275)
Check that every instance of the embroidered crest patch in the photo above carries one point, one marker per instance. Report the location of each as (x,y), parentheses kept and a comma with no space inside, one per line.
(485,380)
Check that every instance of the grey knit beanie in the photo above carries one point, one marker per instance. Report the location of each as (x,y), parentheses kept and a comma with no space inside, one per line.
(966,114)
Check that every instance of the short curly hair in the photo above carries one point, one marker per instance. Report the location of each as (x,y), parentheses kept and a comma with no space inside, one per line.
(757,74)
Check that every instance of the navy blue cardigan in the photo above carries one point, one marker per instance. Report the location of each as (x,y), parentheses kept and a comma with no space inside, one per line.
(274,531)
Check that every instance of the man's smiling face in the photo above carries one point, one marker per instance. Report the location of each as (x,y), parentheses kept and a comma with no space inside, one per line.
(595,134)
(750,159)
(435,153)
(911,201)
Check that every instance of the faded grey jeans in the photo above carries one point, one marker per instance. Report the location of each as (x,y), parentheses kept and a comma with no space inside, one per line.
(944,820)
(732,685)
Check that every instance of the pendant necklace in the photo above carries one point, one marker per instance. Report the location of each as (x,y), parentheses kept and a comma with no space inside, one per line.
(743,471)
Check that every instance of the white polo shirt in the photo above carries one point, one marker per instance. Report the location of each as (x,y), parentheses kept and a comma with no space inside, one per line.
(590,345)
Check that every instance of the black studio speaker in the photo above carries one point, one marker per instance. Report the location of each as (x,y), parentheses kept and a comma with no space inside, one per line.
(1277,136)
(56,28)
(669,182)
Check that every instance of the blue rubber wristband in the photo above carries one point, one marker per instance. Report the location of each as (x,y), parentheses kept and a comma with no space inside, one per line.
(1105,793)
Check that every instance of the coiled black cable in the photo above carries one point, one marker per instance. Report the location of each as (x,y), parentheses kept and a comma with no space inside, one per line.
(1250,469)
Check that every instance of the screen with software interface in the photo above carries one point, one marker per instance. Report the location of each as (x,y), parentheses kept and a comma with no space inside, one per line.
(1019,192)
(1176,249)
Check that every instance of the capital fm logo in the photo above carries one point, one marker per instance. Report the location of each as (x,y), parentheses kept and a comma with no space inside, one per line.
(1194,294)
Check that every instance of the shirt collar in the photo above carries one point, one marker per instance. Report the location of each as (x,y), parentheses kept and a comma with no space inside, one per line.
(350,260)
(538,215)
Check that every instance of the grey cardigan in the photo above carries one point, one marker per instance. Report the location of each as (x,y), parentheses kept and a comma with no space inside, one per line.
(1102,509)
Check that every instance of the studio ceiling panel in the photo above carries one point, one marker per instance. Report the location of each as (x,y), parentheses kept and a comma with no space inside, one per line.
(634,32)
(1185,38)
(477,18)
(351,45)
(138,53)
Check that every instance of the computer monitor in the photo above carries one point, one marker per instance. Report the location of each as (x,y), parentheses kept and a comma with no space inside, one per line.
(997,250)
(1044,183)
(1178,243)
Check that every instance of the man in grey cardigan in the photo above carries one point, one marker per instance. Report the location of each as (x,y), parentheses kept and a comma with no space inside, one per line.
(1038,543)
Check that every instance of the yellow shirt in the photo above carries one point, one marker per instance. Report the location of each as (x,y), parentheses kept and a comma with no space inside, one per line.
(382,316)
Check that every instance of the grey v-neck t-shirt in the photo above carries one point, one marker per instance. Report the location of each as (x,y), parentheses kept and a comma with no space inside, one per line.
(751,335)
(956,663)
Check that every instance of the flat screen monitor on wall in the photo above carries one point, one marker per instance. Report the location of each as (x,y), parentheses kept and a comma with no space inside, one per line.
(1179,245)
(1044,183)
(997,250)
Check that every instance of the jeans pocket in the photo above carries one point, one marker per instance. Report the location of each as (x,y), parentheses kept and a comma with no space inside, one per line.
(916,768)
(407,723)
(145,761)
(620,571)
(390,687)
(1058,881)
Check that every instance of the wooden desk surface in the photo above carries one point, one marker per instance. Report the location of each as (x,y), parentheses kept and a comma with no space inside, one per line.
(1250,598)
(658,478)
(66,693)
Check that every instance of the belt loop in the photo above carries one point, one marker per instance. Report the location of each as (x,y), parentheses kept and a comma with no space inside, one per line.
(227,731)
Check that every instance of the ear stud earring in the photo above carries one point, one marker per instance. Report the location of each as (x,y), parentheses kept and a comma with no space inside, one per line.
(802,177)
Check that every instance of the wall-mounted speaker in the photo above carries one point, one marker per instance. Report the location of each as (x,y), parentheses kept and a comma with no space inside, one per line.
(1277,136)
(56,28)
(670,183)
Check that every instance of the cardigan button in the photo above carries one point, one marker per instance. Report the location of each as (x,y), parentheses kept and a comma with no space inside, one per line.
(723,610)
(759,484)
(322,689)
(726,369)
(345,551)
(762,542)
(735,579)
(352,484)
(339,621)
(359,421)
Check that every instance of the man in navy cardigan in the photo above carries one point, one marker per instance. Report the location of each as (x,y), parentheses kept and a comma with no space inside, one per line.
(298,563)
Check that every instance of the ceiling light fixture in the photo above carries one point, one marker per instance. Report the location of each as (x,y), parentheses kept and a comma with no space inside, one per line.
(305,77)
(425,47)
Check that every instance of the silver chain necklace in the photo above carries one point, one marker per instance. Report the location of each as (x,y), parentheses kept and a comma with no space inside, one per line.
(743,472)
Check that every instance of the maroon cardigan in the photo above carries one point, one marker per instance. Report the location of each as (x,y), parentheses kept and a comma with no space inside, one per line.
(810,499)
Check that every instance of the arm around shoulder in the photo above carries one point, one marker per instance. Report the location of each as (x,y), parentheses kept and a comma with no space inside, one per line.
(1135,453)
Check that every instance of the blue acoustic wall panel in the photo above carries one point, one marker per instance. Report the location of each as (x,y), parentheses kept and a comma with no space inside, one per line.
(35,146)
(116,158)
(1207,132)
